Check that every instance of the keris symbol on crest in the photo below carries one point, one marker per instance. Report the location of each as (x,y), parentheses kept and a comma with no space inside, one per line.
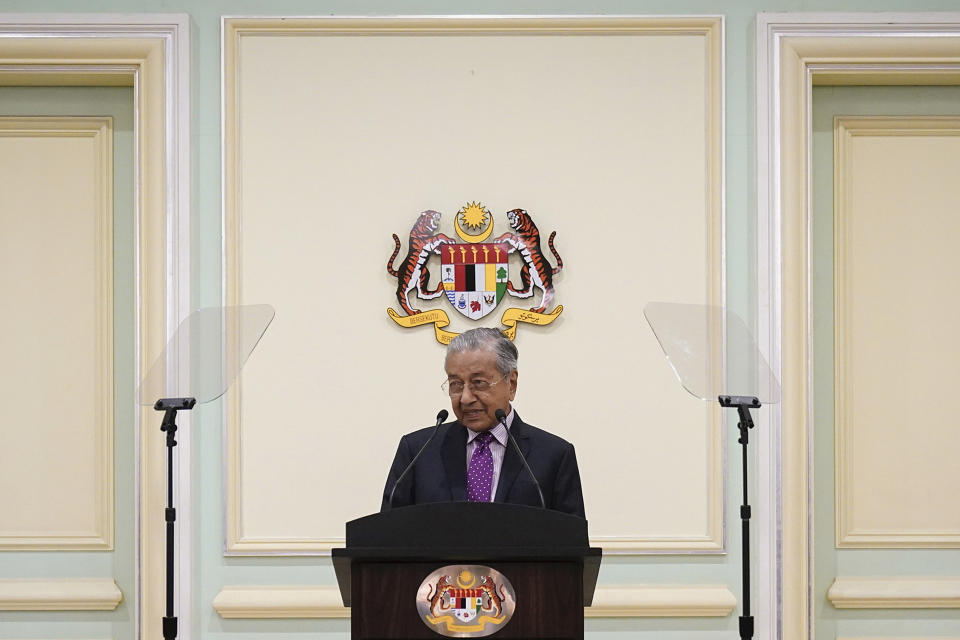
(474,274)
(475,279)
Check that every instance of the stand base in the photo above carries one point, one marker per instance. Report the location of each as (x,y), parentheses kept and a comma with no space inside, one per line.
(169,628)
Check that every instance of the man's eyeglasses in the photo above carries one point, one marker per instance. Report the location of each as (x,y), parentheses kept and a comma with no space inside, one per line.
(456,387)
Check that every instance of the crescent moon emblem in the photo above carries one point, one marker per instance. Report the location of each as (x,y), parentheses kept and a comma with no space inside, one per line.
(480,237)
(466,575)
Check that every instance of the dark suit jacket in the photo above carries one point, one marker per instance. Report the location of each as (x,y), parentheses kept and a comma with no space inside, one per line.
(440,474)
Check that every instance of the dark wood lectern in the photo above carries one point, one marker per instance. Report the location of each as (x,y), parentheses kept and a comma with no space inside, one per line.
(546,555)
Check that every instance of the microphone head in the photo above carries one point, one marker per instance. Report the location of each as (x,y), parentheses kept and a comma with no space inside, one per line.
(442,415)
(501,415)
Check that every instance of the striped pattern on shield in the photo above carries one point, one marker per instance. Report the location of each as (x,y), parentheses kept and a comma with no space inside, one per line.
(474,276)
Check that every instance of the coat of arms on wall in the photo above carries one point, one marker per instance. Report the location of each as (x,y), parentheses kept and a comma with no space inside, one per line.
(474,275)
(466,601)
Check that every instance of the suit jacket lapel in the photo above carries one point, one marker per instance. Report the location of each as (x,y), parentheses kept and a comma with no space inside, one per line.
(454,453)
(512,465)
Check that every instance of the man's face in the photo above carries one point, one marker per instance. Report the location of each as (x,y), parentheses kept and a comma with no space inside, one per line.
(476,410)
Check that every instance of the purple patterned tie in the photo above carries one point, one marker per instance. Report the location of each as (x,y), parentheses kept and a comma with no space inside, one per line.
(480,471)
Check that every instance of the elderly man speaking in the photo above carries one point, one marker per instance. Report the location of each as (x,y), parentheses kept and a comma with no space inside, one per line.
(472,459)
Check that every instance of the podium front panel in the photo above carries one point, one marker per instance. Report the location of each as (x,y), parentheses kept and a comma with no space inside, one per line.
(549,599)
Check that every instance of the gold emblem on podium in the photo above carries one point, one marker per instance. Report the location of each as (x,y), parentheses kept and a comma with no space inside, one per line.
(466,601)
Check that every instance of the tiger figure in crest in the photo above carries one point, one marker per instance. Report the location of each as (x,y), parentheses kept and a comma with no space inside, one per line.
(493,601)
(413,272)
(438,599)
(536,270)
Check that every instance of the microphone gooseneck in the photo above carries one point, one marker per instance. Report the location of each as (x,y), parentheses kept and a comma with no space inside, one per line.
(440,418)
(502,418)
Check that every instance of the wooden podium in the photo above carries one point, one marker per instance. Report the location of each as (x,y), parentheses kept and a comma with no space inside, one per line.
(546,556)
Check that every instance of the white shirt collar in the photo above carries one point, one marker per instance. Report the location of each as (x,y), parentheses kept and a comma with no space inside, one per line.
(498,432)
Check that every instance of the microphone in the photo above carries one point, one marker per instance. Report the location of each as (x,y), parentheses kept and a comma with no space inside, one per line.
(502,417)
(440,418)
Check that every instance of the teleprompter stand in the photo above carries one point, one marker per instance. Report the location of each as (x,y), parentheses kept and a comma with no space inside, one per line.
(198,365)
(170,406)
(743,404)
(716,357)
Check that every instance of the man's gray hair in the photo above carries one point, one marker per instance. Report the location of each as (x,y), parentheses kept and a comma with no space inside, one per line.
(487,339)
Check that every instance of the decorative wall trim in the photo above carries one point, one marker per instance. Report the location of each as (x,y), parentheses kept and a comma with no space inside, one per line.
(895,593)
(899,638)
(793,50)
(100,130)
(662,601)
(234,29)
(468,25)
(648,601)
(280,602)
(68,594)
(151,53)
(850,534)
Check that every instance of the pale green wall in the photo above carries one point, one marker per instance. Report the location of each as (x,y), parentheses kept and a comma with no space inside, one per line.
(119,563)
(212,570)
(830,562)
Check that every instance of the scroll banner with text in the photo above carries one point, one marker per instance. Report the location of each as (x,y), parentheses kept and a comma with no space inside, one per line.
(439,318)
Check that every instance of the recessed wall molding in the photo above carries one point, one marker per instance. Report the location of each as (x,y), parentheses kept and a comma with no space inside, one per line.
(681,56)
(66,443)
(639,601)
(874,507)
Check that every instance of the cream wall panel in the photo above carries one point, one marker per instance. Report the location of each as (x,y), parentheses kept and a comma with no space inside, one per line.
(249,601)
(56,248)
(67,594)
(604,130)
(896,305)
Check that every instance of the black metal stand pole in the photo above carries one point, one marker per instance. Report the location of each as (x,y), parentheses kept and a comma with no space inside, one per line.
(743,405)
(170,406)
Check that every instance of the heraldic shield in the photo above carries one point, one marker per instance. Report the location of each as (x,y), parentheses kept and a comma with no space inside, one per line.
(475,276)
